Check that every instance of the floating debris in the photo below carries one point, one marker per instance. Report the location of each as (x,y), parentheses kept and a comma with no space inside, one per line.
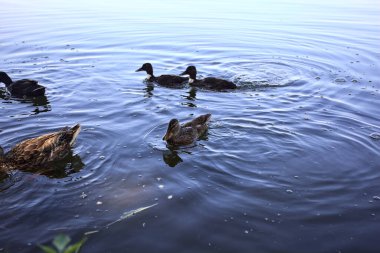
(375,136)
(289,191)
(102,157)
(83,195)
(340,80)
(376,197)
(130,213)
(99,203)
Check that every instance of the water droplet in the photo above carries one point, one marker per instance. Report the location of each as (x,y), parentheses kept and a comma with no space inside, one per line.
(376,197)
(99,202)
(143,224)
(289,191)
(102,157)
(170,196)
(246,231)
(83,195)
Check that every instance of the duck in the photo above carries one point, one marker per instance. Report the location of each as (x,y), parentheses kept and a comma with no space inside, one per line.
(22,88)
(163,80)
(187,133)
(208,82)
(41,150)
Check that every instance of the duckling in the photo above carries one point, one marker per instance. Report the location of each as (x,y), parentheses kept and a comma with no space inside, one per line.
(164,80)
(209,82)
(22,88)
(40,151)
(188,132)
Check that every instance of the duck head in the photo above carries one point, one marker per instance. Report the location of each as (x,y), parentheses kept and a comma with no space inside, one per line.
(4,78)
(192,72)
(173,129)
(148,68)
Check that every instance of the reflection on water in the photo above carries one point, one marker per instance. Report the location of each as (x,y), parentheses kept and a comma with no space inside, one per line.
(149,89)
(41,104)
(58,169)
(191,97)
(171,157)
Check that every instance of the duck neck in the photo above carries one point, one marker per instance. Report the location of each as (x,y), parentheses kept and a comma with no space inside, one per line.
(5,79)
(149,77)
(192,78)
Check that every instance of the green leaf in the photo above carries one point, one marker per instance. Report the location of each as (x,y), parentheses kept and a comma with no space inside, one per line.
(47,249)
(75,247)
(60,242)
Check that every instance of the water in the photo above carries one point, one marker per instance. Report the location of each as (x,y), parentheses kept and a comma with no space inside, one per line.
(289,164)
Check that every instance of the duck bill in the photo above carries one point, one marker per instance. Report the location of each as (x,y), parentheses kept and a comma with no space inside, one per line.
(140,69)
(183,73)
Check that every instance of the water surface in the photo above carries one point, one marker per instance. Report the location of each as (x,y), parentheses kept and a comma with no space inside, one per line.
(288,164)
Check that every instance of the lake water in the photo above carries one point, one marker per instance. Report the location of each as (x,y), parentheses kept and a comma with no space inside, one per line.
(288,164)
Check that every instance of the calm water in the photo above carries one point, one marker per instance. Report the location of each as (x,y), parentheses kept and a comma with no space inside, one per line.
(288,164)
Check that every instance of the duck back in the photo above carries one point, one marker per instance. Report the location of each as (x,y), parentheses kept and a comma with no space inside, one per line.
(26,87)
(170,80)
(217,84)
(43,149)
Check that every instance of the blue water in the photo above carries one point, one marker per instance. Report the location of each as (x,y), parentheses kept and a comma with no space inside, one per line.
(288,164)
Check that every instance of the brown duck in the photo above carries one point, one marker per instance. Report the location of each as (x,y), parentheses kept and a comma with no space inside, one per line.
(40,151)
(187,133)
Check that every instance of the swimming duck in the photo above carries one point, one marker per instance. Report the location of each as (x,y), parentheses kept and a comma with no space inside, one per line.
(22,88)
(188,132)
(209,82)
(164,80)
(40,151)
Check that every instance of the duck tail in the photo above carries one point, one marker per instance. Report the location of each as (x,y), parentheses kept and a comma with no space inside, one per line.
(75,131)
(207,117)
(40,91)
(203,119)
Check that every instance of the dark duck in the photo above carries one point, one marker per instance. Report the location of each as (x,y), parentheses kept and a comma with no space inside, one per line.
(40,151)
(22,88)
(211,83)
(164,80)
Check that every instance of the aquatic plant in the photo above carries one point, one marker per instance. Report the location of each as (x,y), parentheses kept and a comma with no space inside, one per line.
(61,245)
